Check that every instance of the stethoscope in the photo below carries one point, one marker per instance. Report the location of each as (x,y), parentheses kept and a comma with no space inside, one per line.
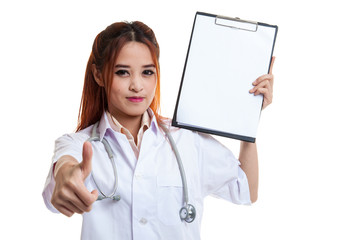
(187,212)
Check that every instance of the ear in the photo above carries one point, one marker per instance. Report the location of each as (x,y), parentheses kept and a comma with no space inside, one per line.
(97,76)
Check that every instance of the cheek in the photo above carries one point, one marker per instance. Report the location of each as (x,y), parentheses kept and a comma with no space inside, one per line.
(117,89)
(152,86)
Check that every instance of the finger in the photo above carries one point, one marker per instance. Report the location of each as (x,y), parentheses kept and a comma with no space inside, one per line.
(68,207)
(65,211)
(77,193)
(71,206)
(81,204)
(267,99)
(74,191)
(85,198)
(85,165)
(68,198)
(263,84)
(265,77)
(272,64)
(263,91)
(95,194)
(60,206)
(268,76)
(267,96)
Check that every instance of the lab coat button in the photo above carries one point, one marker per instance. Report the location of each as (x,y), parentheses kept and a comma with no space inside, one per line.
(143,221)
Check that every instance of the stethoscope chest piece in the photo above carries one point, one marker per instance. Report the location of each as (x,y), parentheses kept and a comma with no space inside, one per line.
(188,213)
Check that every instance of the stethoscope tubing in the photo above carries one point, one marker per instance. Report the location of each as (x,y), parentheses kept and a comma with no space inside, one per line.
(187,212)
(110,153)
(179,162)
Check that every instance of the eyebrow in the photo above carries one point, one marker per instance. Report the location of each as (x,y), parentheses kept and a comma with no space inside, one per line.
(127,66)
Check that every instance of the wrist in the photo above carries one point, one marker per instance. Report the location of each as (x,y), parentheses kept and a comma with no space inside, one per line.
(244,144)
(248,152)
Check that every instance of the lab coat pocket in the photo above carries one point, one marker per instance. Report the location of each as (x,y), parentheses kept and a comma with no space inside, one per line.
(170,199)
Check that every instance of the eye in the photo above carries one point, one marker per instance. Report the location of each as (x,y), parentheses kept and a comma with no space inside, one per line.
(148,72)
(122,73)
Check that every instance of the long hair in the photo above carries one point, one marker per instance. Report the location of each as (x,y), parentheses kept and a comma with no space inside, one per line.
(105,50)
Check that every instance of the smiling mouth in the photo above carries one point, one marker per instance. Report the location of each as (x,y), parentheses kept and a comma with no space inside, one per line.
(135,99)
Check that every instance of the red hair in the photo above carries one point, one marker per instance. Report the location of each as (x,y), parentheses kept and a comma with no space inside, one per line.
(105,50)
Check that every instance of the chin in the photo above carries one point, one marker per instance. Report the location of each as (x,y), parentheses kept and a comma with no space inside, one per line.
(136,112)
(129,111)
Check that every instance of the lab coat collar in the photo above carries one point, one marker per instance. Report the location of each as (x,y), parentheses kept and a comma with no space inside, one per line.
(105,126)
(154,127)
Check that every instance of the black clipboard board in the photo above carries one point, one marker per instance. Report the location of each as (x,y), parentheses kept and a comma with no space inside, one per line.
(225,55)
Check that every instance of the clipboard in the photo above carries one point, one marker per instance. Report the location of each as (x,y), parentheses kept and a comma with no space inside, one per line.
(225,55)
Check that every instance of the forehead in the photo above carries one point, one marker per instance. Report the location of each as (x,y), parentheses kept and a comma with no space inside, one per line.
(134,52)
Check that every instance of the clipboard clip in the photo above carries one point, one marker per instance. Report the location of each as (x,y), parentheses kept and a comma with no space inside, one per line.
(236,23)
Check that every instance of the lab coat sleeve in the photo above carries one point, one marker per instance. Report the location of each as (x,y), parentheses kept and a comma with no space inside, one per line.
(221,175)
(65,145)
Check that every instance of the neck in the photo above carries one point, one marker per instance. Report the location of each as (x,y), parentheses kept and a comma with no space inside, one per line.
(131,123)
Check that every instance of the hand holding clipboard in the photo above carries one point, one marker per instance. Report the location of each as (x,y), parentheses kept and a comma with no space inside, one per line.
(224,57)
(264,85)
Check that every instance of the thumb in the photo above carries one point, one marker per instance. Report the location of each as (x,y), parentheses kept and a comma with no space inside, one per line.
(85,165)
(272,64)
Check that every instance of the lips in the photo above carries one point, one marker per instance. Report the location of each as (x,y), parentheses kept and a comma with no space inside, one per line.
(135,99)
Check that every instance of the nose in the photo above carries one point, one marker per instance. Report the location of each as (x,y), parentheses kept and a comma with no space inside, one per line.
(136,84)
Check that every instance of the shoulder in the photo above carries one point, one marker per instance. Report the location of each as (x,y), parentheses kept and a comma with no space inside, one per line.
(74,138)
(201,140)
(192,136)
(71,144)
(179,132)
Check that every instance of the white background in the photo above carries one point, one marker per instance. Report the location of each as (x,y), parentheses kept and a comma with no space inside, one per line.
(308,138)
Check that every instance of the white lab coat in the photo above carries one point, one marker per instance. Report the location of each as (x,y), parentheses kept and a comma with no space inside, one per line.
(150,187)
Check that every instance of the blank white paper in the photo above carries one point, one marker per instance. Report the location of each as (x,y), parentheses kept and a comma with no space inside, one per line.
(221,65)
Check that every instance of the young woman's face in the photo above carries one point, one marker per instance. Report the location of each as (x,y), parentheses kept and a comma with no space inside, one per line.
(134,81)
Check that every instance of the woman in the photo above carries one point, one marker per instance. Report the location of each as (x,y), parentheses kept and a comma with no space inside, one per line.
(122,93)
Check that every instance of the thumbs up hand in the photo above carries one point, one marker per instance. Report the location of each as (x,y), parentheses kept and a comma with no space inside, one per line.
(70,194)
